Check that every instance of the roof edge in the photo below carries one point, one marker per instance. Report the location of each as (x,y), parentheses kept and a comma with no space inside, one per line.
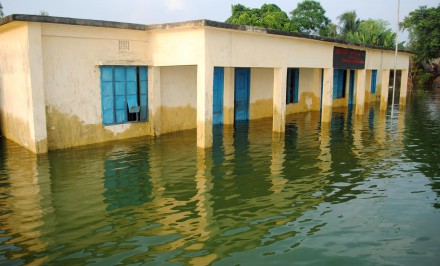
(217,24)
(191,23)
(70,21)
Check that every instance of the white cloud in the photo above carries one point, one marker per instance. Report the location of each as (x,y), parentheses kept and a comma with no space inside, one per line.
(174,5)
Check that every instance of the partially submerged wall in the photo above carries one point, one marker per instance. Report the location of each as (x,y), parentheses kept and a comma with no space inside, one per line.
(21,86)
(72,57)
(179,98)
(261,93)
(309,91)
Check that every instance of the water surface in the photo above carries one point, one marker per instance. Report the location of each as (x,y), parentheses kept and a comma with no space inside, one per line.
(360,191)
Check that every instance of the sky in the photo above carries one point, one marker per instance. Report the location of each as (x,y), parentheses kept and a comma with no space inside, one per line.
(163,11)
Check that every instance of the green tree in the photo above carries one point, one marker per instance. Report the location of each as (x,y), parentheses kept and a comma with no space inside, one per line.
(268,16)
(309,18)
(423,25)
(330,31)
(43,13)
(373,32)
(1,11)
(348,23)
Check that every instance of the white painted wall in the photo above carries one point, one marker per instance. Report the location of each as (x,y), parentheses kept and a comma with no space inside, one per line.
(179,86)
(179,46)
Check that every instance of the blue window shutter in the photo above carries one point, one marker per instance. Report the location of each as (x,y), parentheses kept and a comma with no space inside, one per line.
(107,96)
(143,93)
(120,95)
(107,73)
(296,96)
(131,89)
(131,73)
(373,81)
(119,73)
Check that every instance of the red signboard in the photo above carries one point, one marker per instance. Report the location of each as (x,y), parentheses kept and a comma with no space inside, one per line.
(344,58)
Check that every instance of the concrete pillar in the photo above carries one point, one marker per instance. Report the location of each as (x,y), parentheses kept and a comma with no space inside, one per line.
(357,147)
(403,87)
(37,119)
(325,155)
(384,89)
(154,100)
(327,95)
(279,99)
(360,91)
(367,88)
(204,185)
(228,96)
(205,83)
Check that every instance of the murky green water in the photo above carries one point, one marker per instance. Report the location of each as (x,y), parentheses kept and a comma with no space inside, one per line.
(359,192)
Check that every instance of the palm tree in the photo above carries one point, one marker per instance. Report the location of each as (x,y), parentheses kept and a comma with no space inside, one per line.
(348,23)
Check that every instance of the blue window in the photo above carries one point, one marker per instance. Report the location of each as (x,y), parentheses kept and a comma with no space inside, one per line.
(292,85)
(124,94)
(339,83)
(373,81)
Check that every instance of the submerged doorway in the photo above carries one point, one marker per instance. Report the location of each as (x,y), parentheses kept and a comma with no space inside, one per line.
(351,88)
(241,94)
(217,101)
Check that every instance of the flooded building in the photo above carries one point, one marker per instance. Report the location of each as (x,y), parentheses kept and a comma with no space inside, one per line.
(68,82)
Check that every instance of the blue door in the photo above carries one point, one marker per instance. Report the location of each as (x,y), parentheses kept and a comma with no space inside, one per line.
(351,88)
(217,108)
(242,91)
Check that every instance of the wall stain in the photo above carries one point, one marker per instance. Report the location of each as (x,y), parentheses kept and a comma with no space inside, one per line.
(308,101)
(261,109)
(341,102)
(65,130)
(228,115)
(17,130)
(177,118)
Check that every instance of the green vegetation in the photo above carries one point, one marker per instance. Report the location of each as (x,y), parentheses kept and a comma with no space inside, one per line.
(268,16)
(423,25)
(372,32)
(309,18)
(1,11)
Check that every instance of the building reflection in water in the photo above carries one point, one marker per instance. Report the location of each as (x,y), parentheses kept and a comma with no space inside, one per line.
(162,199)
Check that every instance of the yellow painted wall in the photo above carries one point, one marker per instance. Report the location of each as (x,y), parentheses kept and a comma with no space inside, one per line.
(72,56)
(21,93)
(368,94)
(255,49)
(179,98)
(261,93)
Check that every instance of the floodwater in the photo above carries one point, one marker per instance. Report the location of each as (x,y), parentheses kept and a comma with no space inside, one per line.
(361,191)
